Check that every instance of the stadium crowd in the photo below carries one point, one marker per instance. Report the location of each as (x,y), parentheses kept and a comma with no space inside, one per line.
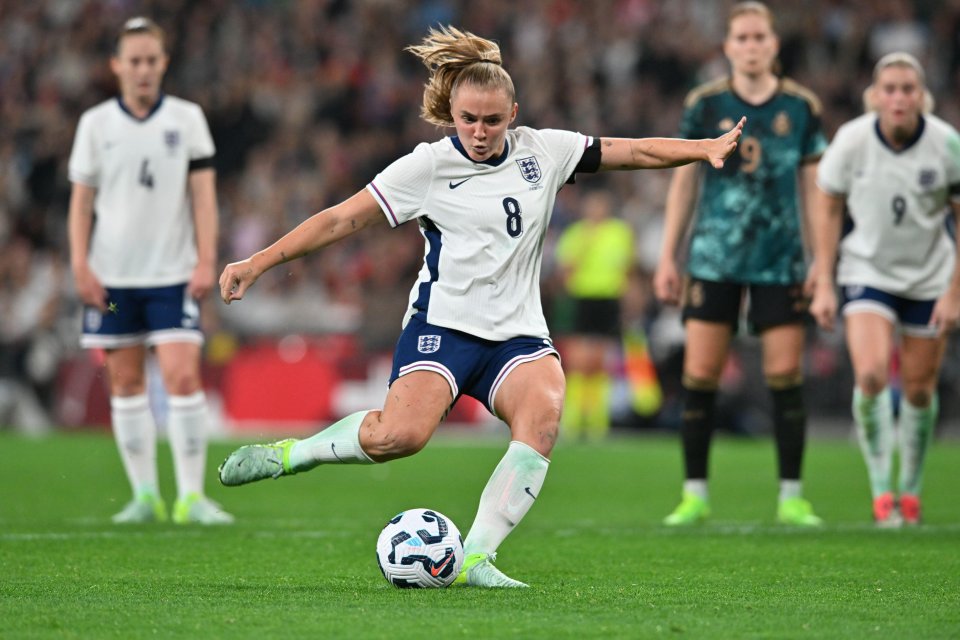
(307,100)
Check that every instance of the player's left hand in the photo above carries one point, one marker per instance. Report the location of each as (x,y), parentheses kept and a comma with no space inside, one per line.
(201,281)
(719,149)
(946,312)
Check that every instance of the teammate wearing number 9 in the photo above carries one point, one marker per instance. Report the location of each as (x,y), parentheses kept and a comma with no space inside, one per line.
(896,171)
(747,241)
(483,199)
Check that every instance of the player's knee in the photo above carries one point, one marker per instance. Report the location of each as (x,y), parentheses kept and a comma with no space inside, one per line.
(540,427)
(918,397)
(391,442)
(182,383)
(872,381)
(123,384)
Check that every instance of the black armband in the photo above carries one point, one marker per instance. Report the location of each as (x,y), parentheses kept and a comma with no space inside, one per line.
(201,163)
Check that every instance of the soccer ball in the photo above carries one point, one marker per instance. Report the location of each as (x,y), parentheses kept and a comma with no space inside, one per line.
(420,549)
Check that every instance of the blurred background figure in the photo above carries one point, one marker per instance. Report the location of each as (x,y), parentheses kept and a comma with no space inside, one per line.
(896,171)
(142,165)
(746,253)
(595,255)
(31,294)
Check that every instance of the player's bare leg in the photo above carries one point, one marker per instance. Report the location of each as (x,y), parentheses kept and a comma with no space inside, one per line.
(415,405)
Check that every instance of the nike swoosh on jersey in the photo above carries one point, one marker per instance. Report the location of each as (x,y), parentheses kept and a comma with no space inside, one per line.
(454,185)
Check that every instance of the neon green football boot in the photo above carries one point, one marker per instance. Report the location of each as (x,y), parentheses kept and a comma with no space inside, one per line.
(257,462)
(692,510)
(797,512)
(478,571)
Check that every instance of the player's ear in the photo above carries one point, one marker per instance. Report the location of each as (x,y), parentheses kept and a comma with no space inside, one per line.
(513,112)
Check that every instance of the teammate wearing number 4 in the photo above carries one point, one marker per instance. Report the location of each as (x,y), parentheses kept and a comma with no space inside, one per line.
(896,171)
(143,162)
(483,199)
(746,244)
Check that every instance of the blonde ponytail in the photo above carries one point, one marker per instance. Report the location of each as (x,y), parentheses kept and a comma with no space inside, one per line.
(457,58)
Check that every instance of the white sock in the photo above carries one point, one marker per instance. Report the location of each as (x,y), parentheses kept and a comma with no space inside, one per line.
(338,443)
(136,437)
(187,431)
(916,432)
(509,494)
(874,425)
(790,489)
(697,488)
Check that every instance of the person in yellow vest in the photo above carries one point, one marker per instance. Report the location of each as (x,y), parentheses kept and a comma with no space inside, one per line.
(595,255)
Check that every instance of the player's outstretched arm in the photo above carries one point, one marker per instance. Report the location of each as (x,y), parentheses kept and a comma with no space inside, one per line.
(662,153)
(319,230)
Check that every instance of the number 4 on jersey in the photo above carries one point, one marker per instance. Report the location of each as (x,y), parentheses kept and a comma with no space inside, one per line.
(146,177)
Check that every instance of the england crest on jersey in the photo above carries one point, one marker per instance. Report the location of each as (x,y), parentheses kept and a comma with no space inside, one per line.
(171,138)
(530,169)
(428,344)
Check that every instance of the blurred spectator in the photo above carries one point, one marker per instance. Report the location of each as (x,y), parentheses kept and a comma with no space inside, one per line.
(31,288)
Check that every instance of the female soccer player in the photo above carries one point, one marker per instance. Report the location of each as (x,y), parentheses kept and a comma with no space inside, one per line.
(746,245)
(896,171)
(142,161)
(483,199)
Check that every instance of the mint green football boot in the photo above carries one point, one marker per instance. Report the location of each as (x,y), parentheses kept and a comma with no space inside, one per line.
(257,462)
(198,509)
(145,508)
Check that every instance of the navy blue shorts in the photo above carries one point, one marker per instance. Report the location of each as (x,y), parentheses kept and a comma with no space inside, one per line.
(913,315)
(471,365)
(147,315)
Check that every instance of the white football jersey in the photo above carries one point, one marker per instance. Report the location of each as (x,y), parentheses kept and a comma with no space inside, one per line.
(484,225)
(898,201)
(144,231)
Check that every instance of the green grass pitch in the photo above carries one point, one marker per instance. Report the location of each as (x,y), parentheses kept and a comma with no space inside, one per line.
(300,563)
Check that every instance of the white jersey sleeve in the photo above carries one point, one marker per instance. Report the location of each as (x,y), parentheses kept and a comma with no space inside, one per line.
(199,140)
(567,148)
(953,165)
(407,180)
(84,166)
(835,169)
